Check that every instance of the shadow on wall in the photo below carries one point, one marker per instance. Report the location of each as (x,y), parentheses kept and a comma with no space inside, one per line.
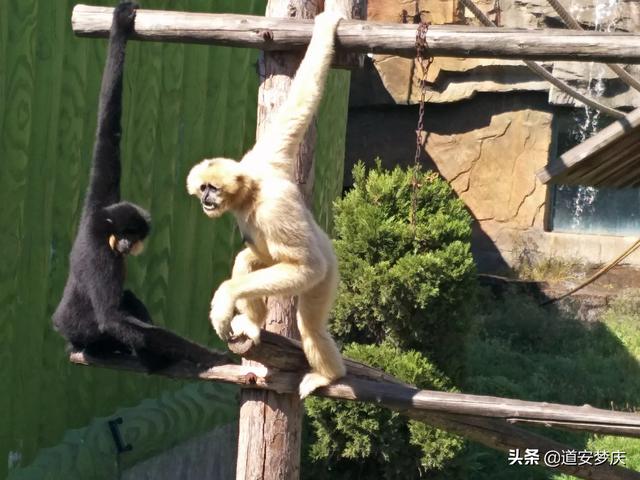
(389,133)
(159,438)
(470,139)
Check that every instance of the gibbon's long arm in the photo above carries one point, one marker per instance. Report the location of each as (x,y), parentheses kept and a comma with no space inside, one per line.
(105,297)
(282,139)
(104,184)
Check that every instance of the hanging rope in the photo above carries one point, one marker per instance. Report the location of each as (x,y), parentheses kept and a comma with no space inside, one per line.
(572,23)
(598,274)
(424,60)
(542,72)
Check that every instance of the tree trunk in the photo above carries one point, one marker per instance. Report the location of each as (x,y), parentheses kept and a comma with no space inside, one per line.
(271,423)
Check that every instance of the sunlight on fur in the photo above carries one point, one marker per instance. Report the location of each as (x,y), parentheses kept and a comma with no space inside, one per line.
(287,252)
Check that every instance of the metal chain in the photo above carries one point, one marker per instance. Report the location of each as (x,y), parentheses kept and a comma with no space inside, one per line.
(424,60)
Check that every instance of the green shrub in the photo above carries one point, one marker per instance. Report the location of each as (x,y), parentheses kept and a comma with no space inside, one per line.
(411,285)
(405,302)
(358,440)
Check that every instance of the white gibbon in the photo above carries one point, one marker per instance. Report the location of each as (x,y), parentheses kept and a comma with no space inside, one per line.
(287,252)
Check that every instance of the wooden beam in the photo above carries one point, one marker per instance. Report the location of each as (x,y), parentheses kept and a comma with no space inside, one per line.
(571,22)
(365,383)
(368,384)
(543,73)
(270,424)
(605,159)
(502,436)
(364,37)
(351,10)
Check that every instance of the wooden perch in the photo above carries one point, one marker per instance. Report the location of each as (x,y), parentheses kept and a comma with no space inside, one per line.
(501,436)
(487,420)
(286,364)
(364,37)
(160,339)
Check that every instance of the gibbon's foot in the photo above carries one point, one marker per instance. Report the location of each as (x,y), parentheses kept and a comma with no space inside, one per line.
(310,382)
(241,325)
(222,308)
(125,15)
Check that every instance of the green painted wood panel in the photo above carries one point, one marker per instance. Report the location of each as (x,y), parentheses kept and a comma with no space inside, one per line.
(182,103)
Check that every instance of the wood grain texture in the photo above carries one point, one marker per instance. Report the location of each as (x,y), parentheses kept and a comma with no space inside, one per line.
(368,384)
(503,436)
(610,158)
(359,36)
(270,429)
(487,420)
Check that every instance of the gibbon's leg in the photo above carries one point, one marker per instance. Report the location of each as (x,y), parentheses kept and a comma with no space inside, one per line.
(319,348)
(278,279)
(253,311)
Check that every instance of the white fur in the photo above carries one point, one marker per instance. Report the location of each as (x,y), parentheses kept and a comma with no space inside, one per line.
(288,253)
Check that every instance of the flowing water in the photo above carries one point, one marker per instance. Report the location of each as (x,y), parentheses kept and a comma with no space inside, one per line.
(586,208)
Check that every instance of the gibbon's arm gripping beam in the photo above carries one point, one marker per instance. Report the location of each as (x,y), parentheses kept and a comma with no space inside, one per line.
(366,37)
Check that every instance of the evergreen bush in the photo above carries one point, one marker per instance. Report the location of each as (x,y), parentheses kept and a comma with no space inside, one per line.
(360,440)
(411,285)
(404,305)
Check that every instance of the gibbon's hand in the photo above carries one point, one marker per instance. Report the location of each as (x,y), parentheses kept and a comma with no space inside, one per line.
(125,15)
(241,325)
(222,308)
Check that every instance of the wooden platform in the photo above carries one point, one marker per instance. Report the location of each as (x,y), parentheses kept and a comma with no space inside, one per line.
(611,158)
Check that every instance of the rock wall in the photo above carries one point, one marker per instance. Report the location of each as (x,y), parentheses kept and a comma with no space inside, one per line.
(489,124)
(488,148)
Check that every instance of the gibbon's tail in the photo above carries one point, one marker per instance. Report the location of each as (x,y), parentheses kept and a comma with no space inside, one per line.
(294,116)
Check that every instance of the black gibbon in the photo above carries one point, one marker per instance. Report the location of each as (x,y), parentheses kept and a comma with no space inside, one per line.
(287,252)
(95,314)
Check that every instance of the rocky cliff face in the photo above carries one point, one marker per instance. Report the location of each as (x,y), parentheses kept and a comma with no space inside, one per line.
(489,124)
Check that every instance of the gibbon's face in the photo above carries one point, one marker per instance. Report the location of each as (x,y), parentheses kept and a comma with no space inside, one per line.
(217,183)
(128,226)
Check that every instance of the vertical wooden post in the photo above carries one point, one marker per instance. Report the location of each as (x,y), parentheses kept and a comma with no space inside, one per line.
(271,424)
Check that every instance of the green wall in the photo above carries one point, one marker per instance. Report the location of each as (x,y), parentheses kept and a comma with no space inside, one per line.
(182,103)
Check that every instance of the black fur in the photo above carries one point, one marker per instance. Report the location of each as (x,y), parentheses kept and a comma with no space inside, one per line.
(95,314)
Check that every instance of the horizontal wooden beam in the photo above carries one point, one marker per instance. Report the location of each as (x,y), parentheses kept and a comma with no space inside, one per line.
(364,383)
(366,37)
(607,159)
(286,364)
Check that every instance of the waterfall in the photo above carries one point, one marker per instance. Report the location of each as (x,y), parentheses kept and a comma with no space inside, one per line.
(582,199)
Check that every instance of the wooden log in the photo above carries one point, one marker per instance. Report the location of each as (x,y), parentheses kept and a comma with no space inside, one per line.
(270,433)
(349,9)
(368,384)
(571,22)
(364,383)
(604,152)
(543,73)
(495,431)
(364,37)
(502,436)
(286,354)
